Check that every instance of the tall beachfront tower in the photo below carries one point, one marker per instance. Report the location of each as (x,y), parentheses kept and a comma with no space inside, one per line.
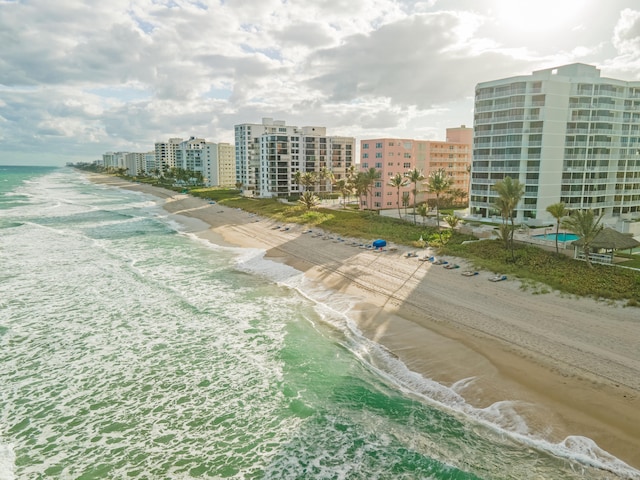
(226,165)
(392,156)
(247,142)
(567,134)
(216,161)
(269,155)
(166,154)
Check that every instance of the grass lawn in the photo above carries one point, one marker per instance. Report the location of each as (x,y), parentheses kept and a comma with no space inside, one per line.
(539,270)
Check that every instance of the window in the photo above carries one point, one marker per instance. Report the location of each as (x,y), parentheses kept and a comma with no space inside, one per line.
(378,165)
(379,145)
(389,164)
(391,144)
(365,145)
(378,154)
(406,165)
(365,165)
(407,155)
(365,155)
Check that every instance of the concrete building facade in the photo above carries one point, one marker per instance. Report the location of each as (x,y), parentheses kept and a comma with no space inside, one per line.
(166,154)
(568,134)
(392,156)
(216,162)
(268,155)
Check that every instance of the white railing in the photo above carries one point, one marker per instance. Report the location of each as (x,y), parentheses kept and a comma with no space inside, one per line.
(593,257)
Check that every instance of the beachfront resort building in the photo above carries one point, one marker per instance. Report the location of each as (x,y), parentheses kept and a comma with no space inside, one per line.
(269,154)
(392,156)
(566,133)
(133,163)
(166,153)
(214,161)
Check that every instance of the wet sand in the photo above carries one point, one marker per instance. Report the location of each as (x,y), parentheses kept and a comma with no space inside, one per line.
(568,366)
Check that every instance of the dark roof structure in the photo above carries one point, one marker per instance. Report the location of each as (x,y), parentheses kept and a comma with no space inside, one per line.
(610,239)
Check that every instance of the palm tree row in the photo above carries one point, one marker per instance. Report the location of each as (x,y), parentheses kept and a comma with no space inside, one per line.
(584,223)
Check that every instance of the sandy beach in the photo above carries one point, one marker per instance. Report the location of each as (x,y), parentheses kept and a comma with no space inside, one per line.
(570,366)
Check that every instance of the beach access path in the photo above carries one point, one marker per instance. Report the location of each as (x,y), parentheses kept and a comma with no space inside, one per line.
(568,366)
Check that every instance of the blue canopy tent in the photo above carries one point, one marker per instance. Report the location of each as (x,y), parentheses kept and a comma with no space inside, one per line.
(379,243)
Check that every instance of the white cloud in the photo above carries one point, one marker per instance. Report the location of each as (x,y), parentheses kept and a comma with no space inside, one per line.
(86,77)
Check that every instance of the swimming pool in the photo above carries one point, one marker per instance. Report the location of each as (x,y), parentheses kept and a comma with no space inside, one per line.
(562,237)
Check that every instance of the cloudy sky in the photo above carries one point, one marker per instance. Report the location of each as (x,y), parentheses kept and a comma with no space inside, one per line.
(82,77)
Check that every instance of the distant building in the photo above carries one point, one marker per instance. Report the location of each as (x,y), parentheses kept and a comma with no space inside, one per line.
(226,164)
(392,156)
(150,165)
(134,163)
(214,161)
(113,160)
(166,154)
(568,134)
(269,154)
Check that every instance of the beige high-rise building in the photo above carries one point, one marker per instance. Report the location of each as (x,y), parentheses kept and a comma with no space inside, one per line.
(166,154)
(226,164)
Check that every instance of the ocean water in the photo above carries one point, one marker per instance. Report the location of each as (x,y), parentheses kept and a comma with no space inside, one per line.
(129,348)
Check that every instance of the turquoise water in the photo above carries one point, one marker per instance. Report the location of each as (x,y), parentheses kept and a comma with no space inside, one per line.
(129,348)
(562,237)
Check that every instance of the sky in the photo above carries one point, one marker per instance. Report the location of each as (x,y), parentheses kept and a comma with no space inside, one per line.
(79,78)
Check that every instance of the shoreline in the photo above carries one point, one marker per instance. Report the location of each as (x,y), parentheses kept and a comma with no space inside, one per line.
(569,367)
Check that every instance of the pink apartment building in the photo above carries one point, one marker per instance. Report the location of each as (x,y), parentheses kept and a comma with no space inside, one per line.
(399,155)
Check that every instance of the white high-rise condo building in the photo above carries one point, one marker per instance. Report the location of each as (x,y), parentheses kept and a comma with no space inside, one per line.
(166,154)
(269,154)
(568,134)
(215,161)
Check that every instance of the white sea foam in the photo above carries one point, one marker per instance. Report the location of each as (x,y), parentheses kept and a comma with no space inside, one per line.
(334,308)
(155,351)
(7,462)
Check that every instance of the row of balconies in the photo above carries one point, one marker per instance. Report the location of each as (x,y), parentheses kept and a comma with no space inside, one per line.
(590,181)
(620,107)
(506,131)
(501,93)
(507,106)
(512,118)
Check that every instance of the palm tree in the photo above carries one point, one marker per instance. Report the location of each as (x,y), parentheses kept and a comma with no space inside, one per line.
(323,175)
(457,195)
(584,224)
(414,177)
(308,179)
(398,181)
(361,186)
(452,221)
(557,211)
(297,177)
(510,192)
(371,176)
(343,186)
(350,176)
(423,211)
(309,200)
(439,182)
